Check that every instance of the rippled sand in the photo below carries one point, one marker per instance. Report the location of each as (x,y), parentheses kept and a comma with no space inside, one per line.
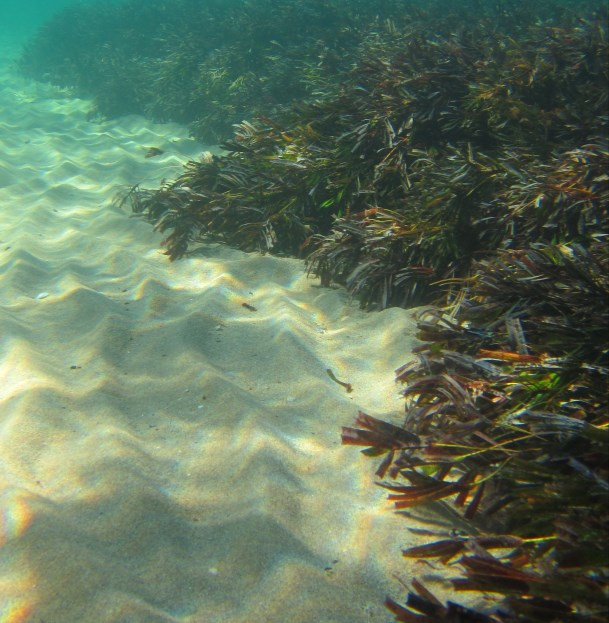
(167,454)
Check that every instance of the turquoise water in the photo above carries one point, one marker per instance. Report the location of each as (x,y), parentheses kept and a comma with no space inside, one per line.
(19,20)
(169,434)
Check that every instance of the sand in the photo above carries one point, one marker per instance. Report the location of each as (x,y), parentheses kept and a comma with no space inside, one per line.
(167,454)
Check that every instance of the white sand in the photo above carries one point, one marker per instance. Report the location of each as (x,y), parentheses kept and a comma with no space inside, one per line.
(166,454)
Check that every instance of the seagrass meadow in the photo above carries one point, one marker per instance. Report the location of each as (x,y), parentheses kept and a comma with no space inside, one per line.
(447,155)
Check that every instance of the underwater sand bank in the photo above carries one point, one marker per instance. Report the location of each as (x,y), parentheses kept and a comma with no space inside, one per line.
(166,453)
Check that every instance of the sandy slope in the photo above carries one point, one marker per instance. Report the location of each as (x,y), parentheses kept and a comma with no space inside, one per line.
(165,453)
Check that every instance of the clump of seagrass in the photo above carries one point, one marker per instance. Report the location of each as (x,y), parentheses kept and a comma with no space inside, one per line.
(469,157)
(396,179)
(507,425)
(262,196)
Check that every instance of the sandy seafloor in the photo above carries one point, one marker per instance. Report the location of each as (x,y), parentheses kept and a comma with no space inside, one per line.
(166,454)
